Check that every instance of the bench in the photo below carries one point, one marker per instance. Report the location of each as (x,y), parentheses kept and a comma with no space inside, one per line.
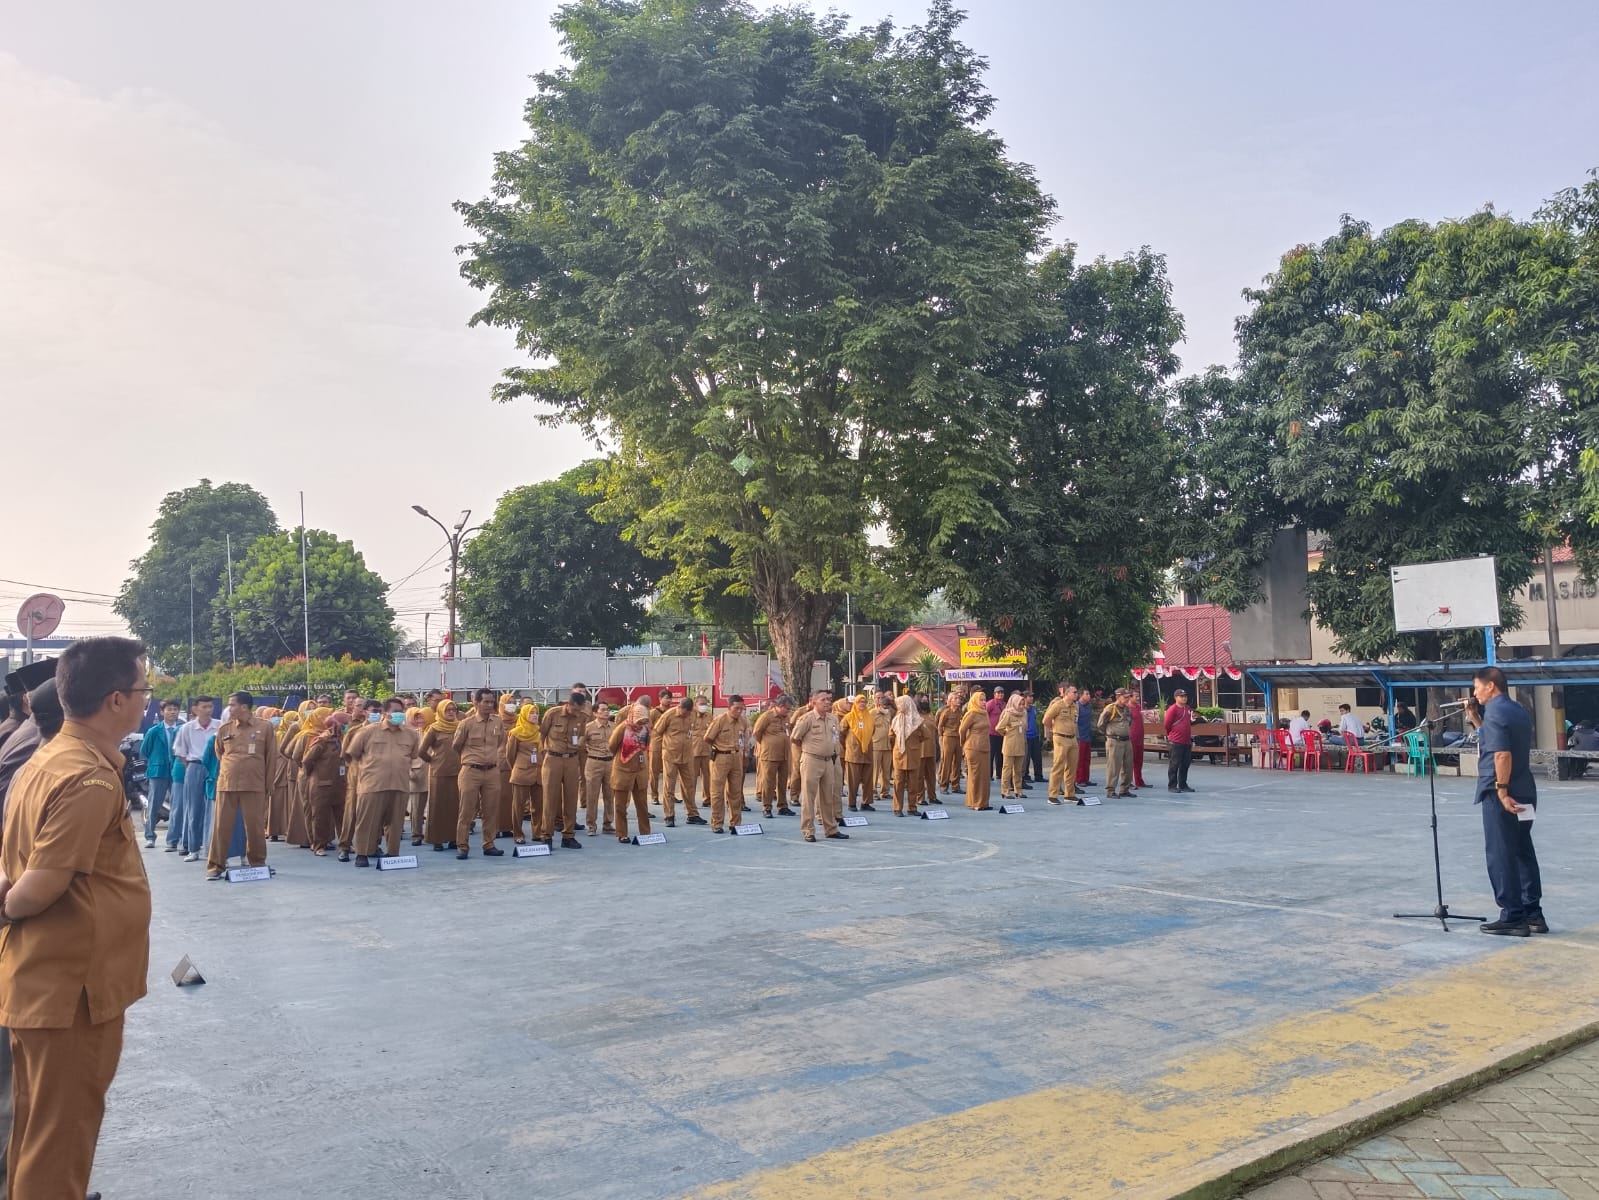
(1228,741)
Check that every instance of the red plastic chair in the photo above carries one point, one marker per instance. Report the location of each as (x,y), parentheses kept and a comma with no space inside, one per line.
(1313,750)
(1284,751)
(1354,752)
(1267,746)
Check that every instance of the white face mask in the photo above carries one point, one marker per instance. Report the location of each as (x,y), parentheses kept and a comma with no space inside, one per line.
(511,708)
(701,708)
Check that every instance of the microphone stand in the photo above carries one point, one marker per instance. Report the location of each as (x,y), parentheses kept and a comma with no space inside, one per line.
(1441,913)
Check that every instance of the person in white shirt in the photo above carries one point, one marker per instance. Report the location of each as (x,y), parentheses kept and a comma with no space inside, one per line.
(1297,727)
(1349,723)
(188,747)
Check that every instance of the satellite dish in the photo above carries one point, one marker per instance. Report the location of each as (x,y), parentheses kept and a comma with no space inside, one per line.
(40,615)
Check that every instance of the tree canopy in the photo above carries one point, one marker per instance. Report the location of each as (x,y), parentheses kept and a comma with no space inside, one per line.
(190,532)
(544,572)
(766,256)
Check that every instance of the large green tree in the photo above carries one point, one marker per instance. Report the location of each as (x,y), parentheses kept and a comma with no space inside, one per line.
(190,534)
(1387,396)
(544,572)
(349,608)
(765,255)
(1075,569)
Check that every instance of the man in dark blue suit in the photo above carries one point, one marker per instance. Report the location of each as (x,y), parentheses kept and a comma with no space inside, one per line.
(1509,798)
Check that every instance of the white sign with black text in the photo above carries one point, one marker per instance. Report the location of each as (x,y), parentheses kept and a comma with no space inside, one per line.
(398,862)
(532,850)
(248,874)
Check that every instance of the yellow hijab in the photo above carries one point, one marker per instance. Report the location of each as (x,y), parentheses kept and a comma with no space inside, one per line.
(526,728)
(425,713)
(446,723)
(861,721)
(978,699)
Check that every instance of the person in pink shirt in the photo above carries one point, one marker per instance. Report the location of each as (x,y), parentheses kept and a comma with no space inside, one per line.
(1179,742)
(994,708)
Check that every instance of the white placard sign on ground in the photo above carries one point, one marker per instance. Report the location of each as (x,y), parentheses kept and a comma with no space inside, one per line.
(935,814)
(532,850)
(748,830)
(1011,808)
(650,839)
(248,874)
(397,862)
(1462,593)
(853,822)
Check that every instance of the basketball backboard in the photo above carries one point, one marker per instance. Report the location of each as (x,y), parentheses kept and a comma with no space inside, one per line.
(1462,593)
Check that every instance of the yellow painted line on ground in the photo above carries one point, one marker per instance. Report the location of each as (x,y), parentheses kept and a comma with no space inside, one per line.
(1090,1142)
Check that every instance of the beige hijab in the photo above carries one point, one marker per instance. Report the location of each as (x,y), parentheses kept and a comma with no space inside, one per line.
(908,720)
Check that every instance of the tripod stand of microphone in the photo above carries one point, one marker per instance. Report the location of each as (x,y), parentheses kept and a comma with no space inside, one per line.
(1441,913)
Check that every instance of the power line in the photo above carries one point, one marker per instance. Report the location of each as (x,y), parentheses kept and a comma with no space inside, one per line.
(45,587)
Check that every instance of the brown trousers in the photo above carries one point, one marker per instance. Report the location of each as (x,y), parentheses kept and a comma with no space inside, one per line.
(563,787)
(229,805)
(949,764)
(60,1083)
(278,810)
(929,780)
(795,783)
(599,802)
(352,798)
(325,814)
(858,779)
(684,775)
(379,811)
(977,781)
(1118,766)
(634,786)
(527,804)
(480,800)
(818,793)
(299,832)
(419,803)
(444,806)
(908,787)
(1011,774)
(727,789)
(657,768)
(771,779)
(1063,767)
(883,773)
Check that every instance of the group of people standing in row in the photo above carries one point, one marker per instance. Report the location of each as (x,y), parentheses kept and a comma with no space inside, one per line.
(361,777)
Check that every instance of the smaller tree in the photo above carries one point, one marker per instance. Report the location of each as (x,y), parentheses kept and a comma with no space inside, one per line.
(350,612)
(543,572)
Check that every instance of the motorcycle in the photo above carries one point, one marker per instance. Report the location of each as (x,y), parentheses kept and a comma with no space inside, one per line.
(135,784)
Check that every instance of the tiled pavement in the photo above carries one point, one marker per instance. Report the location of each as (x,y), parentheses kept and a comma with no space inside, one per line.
(1533,1136)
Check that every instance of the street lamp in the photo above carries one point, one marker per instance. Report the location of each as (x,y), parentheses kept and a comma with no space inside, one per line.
(454,538)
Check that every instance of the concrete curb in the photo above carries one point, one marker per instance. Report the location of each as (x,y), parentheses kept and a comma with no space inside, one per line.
(1227,1175)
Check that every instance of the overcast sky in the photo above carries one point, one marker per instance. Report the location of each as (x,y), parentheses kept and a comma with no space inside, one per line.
(226,242)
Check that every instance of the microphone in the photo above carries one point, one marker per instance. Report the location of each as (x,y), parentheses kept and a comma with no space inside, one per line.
(1453,704)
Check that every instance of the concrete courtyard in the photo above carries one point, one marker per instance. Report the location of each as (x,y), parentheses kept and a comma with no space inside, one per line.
(1069,1002)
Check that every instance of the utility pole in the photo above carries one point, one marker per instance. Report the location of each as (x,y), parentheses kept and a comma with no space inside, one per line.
(191,619)
(305,598)
(454,537)
(233,632)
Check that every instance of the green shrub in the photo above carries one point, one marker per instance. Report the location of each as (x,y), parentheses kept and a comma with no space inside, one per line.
(336,675)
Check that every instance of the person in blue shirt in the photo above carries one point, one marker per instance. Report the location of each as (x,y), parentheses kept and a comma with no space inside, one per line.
(1508,797)
(1085,740)
(161,769)
(1035,747)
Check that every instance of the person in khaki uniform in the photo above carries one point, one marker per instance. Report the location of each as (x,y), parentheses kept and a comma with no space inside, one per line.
(1012,730)
(771,757)
(419,719)
(1116,722)
(381,756)
(74,920)
(629,744)
(562,728)
(929,775)
(299,828)
(247,753)
(371,713)
(702,752)
(524,746)
(974,741)
(480,741)
(860,725)
(657,753)
(949,744)
(883,748)
(816,737)
(911,736)
(1060,726)
(599,802)
(444,769)
(674,728)
(724,742)
(323,770)
(794,782)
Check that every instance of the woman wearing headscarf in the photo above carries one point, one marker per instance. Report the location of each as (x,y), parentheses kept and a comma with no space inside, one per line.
(630,768)
(974,740)
(1012,730)
(511,814)
(298,830)
(911,735)
(444,766)
(324,771)
(311,725)
(419,719)
(276,810)
(859,724)
(523,746)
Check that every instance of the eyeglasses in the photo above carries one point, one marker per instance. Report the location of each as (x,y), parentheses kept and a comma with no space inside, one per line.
(130,691)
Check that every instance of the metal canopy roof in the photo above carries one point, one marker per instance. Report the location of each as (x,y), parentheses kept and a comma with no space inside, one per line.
(1524,672)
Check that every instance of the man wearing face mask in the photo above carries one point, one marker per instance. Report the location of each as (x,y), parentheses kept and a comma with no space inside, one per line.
(599,803)
(247,751)
(702,752)
(371,713)
(480,741)
(723,738)
(381,755)
(562,730)
(75,904)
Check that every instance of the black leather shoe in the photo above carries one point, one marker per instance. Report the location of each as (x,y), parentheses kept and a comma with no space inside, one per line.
(1506,928)
(361,860)
(571,844)
(1538,925)
(839,837)
(439,847)
(344,856)
(1189,790)
(671,822)
(493,852)
(463,854)
(696,821)
(868,808)
(718,831)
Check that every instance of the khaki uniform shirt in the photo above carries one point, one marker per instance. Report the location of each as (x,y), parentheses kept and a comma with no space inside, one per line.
(481,741)
(1116,720)
(915,748)
(974,732)
(382,755)
(563,732)
(771,738)
(949,724)
(1013,729)
(597,739)
(852,744)
(883,731)
(66,812)
(444,762)
(324,768)
(816,735)
(673,731)
(633,767)
(702,722)
(723,734)
(247,756)
(1060,718)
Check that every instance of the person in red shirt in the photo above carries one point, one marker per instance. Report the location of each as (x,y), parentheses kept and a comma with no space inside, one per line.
(1179,742)
(994,708)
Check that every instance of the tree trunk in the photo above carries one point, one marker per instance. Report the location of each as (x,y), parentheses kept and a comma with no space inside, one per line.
(796,620)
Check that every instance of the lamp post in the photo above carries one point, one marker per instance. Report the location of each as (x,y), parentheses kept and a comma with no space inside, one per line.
(454,537)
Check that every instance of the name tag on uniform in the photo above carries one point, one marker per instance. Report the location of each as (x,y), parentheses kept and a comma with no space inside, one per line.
(574,739)
(532,756)
(252,747)
(341,770)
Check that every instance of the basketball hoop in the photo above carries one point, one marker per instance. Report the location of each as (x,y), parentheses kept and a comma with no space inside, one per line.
(1441,618)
